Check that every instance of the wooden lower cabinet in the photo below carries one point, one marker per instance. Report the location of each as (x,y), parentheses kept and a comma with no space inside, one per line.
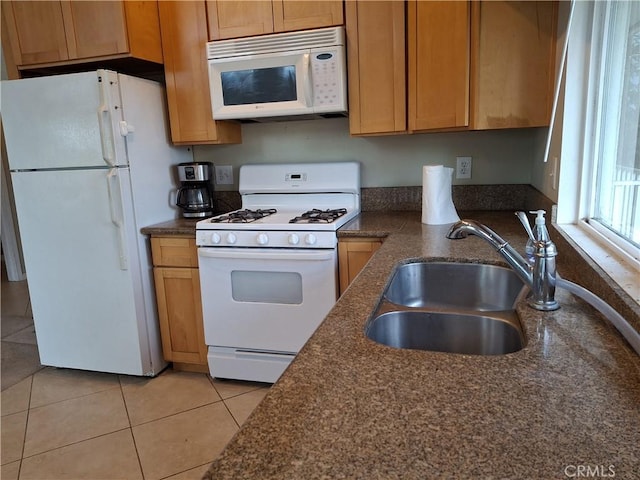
(353,255)
(177,283)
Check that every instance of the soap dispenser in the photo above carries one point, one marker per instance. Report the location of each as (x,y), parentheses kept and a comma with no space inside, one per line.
(540,234)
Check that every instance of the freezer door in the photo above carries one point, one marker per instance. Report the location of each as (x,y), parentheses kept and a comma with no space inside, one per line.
(81,271)
(55,122)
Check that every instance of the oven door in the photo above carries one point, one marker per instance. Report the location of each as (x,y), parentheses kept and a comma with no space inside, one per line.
(265,300)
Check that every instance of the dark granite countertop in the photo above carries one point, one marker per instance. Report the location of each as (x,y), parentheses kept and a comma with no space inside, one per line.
(350,408)
(179,226)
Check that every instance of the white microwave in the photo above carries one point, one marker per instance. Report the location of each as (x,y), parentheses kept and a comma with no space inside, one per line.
(284,74)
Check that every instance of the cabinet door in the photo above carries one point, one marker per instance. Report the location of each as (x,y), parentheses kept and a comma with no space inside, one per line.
(180,314)
(36,31)
(289,15)
(143,30)
(233,19)
(438,55)
(353,255)
(94,29)
(376,59)
(513,63)
(184,38)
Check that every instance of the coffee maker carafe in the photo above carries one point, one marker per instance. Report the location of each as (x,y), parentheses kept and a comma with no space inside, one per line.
(195,195)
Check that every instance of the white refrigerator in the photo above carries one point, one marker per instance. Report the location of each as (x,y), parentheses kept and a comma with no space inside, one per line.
(91,164)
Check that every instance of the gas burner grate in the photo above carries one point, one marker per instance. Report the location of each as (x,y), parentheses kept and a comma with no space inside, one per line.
(244,216)
(319,216)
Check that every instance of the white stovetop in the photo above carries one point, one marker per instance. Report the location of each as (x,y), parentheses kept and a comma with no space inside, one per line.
(278,221)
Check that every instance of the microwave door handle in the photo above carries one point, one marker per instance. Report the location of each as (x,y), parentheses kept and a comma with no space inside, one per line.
(307,79)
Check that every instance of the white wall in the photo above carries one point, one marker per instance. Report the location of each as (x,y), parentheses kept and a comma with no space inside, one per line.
(499,157)
(545,174)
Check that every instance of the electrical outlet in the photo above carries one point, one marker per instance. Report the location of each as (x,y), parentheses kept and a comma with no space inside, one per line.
(463,167)
(224,174)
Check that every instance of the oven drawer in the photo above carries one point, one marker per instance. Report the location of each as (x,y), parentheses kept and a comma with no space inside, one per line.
(227,362)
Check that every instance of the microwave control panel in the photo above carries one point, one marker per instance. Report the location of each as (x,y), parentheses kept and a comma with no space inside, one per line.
(327,70)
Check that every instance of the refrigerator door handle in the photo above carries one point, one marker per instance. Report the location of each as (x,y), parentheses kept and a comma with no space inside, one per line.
(117,214)
(104,124)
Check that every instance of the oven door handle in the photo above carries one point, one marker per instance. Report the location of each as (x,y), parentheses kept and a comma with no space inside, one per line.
(244,254)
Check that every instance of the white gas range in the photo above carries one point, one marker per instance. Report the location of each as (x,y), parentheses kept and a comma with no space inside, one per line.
(268,271)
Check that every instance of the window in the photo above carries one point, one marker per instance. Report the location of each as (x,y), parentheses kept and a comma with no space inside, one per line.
(614,199)
(599,178)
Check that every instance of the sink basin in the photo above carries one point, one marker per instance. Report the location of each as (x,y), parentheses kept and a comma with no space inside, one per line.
(466,308)
(472,286)
(446,332)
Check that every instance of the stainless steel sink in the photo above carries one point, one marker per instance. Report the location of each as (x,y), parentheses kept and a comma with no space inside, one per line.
(463,308)
(446,332)
(478,287)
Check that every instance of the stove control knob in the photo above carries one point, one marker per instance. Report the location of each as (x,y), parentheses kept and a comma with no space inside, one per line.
(215,238)
(310,239)
(293,239)
(262,239)
(231,238)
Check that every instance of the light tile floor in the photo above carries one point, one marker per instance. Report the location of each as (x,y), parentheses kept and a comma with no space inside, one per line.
(71,424)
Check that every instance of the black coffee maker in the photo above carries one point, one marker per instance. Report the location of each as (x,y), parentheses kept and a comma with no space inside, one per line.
(195,195)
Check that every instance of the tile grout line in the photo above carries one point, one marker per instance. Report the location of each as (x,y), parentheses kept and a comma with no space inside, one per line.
(184,471)
(70,398)
(26,426)
(133,437)
(164,417)
(223,401)
(120,384)
(77,442)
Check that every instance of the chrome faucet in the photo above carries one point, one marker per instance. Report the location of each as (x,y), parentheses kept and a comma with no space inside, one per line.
(540,277)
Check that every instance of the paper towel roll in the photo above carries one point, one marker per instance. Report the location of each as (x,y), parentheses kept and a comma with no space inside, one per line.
(437,205)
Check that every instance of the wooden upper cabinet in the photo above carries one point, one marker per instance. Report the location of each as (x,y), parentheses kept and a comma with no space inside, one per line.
(290,15)
(480,65)
(48,32)
(184,38)
(471,65)
(36,31)
(438,64)
(376,65)
(239,18)
(95,28)
(513,63)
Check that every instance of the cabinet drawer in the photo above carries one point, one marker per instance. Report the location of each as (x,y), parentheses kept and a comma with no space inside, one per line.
(174,251)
